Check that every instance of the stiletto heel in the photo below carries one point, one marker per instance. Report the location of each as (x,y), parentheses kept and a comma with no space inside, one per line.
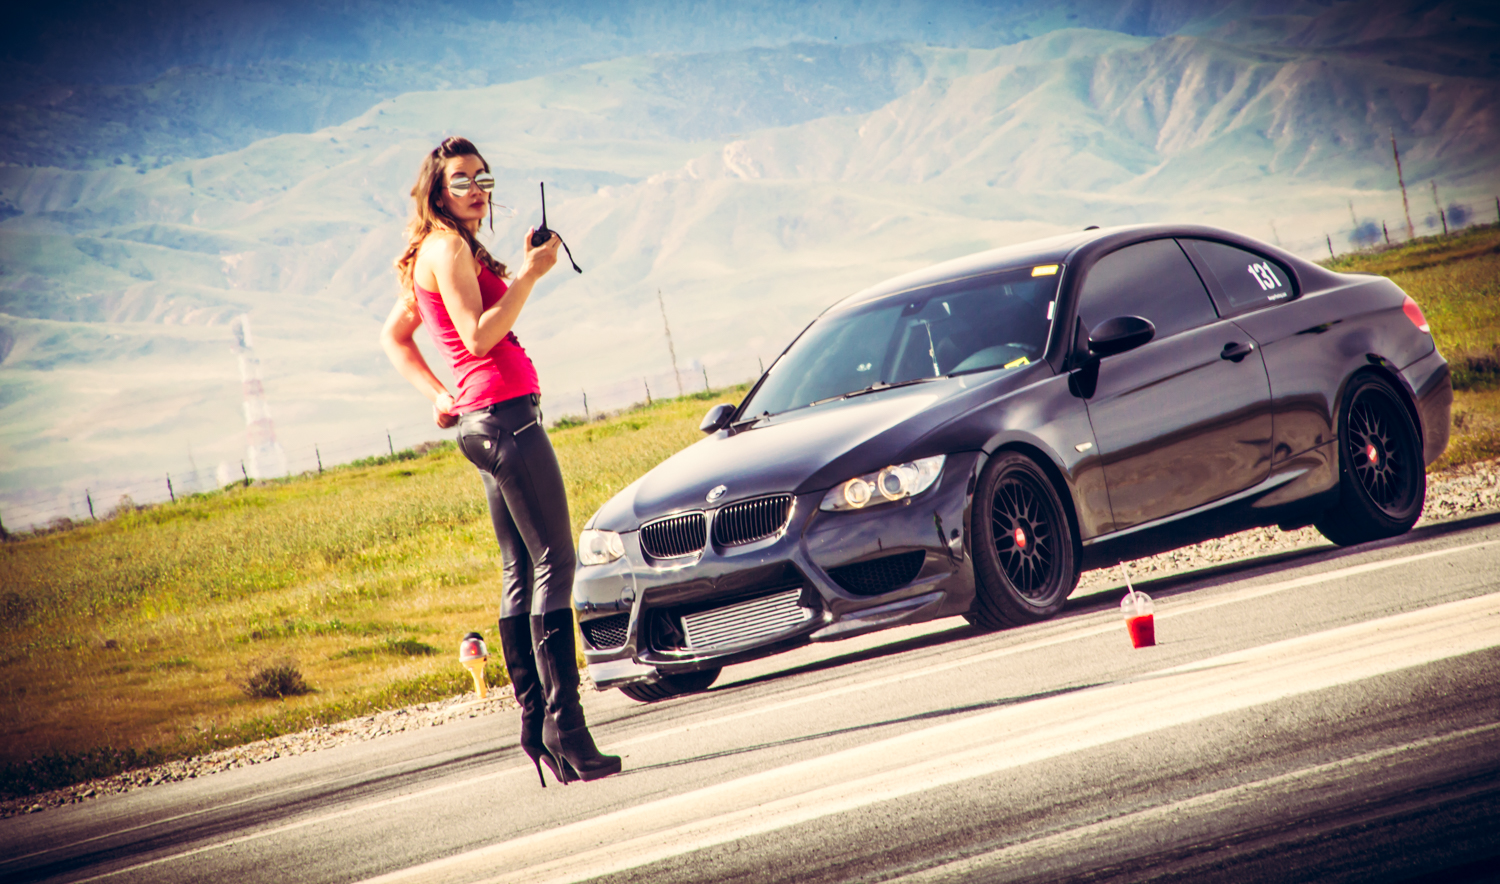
(537,760)
(520,662)
(565,734)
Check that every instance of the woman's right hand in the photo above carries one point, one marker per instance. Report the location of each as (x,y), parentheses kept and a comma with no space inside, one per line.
(539,259)
(442,410)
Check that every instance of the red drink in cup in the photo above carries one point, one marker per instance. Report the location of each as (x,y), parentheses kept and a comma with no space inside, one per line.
(1139,614)
(1142,630)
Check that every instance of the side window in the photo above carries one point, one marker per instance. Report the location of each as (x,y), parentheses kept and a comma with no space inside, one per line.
(1150,279)
(1246,281)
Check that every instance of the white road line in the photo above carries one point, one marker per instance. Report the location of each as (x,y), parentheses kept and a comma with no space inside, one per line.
(1088,627)
(1067,635)
(978,746)
(70,847)
(1197,807)
(304,823)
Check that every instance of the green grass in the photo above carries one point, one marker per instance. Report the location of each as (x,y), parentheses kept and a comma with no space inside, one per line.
(128,640)
(1455,279)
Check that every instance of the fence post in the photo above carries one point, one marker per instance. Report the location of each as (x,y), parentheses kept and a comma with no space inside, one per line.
(705,379)
(1386,232)
(1330,244)
(389,444)
(319,455)
(585,403)
(170,493)
(647,385)
(761,363)
(4,535)
(245,473)
(1443,215)
(90,499)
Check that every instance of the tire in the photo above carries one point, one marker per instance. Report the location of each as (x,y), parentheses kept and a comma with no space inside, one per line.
(671,686)
(1025,554)
(1382,478)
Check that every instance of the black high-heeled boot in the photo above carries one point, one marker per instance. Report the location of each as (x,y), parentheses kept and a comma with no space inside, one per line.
(520,663)
(564,732)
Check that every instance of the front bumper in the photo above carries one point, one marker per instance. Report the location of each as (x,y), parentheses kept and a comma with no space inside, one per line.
(825,576)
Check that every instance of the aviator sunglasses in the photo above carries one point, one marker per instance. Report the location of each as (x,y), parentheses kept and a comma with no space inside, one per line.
(461,184)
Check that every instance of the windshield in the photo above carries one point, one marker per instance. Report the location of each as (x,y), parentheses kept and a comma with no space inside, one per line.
(996,321)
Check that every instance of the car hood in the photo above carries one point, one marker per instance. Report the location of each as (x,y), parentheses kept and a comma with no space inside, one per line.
(805,450)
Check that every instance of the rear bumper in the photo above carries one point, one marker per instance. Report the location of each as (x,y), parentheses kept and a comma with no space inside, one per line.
(1431,385)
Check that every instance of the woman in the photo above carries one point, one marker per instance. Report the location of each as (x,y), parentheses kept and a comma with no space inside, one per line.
(453,285)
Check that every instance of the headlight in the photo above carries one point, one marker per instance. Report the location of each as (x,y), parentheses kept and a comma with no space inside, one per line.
(599,547)
(895,482)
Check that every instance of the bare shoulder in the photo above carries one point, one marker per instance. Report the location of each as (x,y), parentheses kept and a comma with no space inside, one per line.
(441,252)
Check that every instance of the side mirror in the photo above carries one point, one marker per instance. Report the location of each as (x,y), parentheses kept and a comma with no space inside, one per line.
(717,418)
(1120,334)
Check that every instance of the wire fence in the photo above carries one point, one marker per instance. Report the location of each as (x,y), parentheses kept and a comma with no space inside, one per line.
(86,499)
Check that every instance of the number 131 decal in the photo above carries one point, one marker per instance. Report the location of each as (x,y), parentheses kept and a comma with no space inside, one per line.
(1264,275)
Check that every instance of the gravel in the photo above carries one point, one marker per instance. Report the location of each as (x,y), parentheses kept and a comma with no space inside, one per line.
(1454,493)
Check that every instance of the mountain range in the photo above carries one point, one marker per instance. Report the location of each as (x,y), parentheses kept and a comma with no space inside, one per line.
(738,183)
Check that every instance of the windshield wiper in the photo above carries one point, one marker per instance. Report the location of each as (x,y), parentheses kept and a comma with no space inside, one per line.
(751,419)
(876,387)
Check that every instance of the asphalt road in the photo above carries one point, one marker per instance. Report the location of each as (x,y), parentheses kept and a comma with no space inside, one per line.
(1325,715)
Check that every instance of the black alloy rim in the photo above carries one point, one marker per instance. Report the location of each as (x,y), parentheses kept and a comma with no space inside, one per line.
(1025,527)
(1379,452)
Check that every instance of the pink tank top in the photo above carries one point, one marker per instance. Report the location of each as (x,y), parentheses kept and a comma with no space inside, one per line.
(503,373)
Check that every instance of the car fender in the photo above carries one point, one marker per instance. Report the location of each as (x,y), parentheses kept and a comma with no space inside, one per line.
(1051,424)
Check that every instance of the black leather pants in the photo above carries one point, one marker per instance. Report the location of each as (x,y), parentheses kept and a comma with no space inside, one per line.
(528,505)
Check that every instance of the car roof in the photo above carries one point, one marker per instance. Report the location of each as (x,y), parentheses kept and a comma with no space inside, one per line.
(1060,249)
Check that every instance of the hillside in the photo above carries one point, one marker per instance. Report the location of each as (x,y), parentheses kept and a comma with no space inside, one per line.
(750,186)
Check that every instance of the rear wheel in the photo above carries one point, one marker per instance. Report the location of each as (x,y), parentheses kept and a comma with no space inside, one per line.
(671,686)
(1382,479)
(1025,556)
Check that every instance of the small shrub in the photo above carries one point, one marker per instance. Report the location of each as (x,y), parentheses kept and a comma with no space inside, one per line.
(125,507)
(567,421)
(276,681)
(410,647)
(1475,370)
(422,449)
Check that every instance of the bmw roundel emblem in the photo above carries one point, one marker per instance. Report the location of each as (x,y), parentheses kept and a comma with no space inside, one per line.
(717,493)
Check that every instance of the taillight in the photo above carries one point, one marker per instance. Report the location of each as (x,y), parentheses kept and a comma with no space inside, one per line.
(1414,313)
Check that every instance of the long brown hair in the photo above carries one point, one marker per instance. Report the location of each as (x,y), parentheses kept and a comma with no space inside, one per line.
(429,215)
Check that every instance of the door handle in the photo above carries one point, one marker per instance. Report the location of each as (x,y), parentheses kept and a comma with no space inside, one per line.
(1236,351)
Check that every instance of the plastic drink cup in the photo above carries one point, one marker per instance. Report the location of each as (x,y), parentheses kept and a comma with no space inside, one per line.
(1139,614)
(473,654)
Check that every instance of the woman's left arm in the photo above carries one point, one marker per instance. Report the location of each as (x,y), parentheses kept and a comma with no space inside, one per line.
(401,349)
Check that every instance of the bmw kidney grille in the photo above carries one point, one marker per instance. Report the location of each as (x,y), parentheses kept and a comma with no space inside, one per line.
(675,536)
(752,520)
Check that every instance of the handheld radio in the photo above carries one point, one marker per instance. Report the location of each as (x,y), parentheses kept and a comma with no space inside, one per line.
(542,234)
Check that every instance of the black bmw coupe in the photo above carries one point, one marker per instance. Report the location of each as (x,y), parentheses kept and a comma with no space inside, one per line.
(965,439)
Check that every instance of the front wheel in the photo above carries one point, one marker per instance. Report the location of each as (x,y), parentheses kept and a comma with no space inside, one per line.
(671,686)
(1025,555)
(1382,479)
